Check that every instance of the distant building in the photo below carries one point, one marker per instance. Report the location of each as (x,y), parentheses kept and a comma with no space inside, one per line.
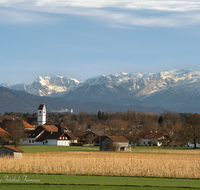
(115,143)
(63,111)
(191,143)
(11,151)
(41,115)
(153,138)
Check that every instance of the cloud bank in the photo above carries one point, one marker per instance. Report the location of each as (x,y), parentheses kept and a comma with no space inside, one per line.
(155,13)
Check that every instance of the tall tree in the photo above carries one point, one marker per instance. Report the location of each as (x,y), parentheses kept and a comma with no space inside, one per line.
(192,127)
(99,115)
(16,129)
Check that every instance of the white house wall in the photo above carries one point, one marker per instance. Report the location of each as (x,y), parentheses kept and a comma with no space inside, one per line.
(28,141)
(50,142)
(57,142)
(146,142)
(192,145)
(63,143)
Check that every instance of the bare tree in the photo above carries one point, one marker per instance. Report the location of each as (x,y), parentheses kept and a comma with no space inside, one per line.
(114,128)
(16,129)
(192,127)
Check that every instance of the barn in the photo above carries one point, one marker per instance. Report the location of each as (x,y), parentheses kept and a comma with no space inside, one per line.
(11,151)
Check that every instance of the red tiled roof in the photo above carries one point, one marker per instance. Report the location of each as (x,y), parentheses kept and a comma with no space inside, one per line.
(63,125)
(13,148)
(2,130)
(27,125)
(142,134)
(149,135)
(5,135)
(52,128)
(118,139)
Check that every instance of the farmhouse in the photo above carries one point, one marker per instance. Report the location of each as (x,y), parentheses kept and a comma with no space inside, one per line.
(10,151)
(153,138)
(115,143)
(48,135)
(54,138)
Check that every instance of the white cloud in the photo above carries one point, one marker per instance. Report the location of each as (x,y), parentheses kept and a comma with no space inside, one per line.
(163,13)
(167,5)
(16,17)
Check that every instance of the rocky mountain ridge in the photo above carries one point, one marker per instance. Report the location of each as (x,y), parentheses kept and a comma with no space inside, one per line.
(176,90)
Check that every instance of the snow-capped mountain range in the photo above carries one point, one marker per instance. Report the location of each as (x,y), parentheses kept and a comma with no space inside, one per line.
(169,89)
(47,86)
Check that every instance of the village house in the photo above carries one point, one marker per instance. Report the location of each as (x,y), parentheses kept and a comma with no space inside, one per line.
(48,135)
(153,139)
(191,143)
(12,151)
(115,143)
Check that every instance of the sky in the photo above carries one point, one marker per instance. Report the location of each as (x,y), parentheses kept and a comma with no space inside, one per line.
(87,38)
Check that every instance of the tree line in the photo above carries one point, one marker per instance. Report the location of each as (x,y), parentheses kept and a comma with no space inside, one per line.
(181,127)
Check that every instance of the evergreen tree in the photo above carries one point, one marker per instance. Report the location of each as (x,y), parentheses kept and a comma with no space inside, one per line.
(99,117)
(160,120)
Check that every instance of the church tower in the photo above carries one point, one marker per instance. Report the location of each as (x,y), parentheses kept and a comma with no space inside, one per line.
(41,115)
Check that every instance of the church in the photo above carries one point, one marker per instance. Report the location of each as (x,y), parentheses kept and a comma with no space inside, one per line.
(48,134)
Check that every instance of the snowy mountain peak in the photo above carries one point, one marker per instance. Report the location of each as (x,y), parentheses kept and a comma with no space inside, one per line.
(4,84)
(48,86)
(123,73)
(137,85)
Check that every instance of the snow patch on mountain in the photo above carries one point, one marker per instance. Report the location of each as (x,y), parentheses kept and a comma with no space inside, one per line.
(47,86)
(4,84)
(137,85)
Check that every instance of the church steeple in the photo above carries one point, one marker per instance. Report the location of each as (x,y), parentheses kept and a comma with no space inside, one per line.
(41,115)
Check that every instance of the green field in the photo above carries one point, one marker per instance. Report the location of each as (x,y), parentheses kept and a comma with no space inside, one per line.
(49,148)
(137,149)
(43,181)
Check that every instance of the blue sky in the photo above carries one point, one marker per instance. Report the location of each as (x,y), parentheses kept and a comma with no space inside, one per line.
(85,38)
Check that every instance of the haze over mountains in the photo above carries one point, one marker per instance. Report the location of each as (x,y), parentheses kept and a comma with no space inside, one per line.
(175,90)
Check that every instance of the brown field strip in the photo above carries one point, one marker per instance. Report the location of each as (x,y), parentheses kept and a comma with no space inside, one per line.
(103,163)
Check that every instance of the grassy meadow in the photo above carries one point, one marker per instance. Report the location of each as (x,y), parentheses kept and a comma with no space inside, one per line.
(95,182)
(137,149)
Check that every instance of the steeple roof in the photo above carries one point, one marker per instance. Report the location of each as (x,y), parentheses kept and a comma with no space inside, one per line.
(41,107)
